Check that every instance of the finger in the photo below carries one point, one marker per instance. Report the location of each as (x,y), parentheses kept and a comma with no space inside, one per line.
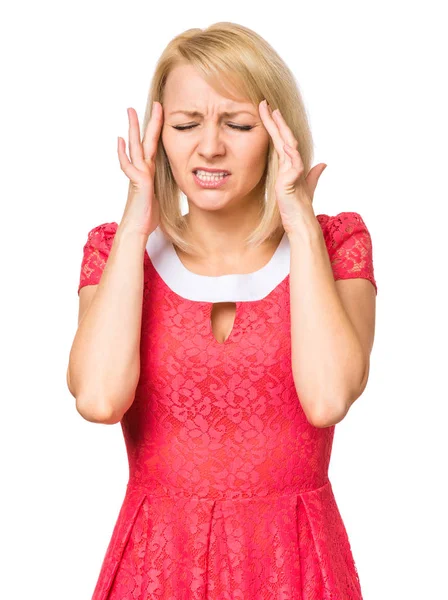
(285,129)
(126,166)
(314,175)
(135,149)
(312,179)
(152,133)
(295,158)
(272,129)
(285,132)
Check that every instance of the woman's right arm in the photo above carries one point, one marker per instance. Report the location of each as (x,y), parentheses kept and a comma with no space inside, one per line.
(104,363)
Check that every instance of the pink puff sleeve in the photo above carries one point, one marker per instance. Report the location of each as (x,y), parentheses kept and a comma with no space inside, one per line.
(349,246)
(95,253)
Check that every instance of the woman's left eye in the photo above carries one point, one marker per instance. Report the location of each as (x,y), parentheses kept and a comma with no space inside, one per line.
(240,127)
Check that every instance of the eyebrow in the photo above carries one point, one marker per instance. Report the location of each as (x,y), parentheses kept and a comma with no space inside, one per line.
(196,113)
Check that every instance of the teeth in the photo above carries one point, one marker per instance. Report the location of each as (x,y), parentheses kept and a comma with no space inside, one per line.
(206,176)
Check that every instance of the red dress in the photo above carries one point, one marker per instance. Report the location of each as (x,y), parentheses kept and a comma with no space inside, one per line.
(228,496)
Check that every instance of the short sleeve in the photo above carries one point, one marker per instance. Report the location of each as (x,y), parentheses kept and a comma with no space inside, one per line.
(349,246)
(95,253)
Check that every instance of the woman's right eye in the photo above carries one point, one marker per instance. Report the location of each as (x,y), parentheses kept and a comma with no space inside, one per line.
(239,127)
(182,127)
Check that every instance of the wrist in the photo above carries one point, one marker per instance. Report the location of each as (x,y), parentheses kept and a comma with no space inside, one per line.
(128,232)
(306,228)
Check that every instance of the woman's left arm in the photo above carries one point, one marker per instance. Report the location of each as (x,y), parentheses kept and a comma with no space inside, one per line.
(332,327)
(332,322)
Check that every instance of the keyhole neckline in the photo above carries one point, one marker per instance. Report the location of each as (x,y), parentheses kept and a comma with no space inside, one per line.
(209,310)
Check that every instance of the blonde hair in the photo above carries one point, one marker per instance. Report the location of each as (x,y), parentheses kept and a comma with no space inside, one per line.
(230,57)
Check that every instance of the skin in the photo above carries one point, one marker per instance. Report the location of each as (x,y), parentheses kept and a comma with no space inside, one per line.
(219,219)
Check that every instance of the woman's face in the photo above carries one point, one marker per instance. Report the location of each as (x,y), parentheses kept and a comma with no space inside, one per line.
(213,141)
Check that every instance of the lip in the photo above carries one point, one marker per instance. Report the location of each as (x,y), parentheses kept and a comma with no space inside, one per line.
(211,170)
(211,184)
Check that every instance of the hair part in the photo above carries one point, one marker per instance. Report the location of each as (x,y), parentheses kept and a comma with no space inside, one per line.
(239,64)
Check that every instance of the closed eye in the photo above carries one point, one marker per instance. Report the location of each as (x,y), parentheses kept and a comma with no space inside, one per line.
(240,127)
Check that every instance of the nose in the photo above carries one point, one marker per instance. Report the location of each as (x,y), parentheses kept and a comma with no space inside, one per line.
(210,142)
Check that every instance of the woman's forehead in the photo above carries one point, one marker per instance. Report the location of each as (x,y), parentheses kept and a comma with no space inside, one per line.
(197,113)
(186,83)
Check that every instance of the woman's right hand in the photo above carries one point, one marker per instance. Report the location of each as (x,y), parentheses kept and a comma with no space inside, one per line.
(142,212)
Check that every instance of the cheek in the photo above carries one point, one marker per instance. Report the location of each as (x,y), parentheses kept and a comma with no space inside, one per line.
(164,136)
(255,156)
(172,149)
(256,143)
(177,148)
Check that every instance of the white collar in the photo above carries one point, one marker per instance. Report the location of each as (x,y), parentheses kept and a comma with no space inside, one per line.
(222,288)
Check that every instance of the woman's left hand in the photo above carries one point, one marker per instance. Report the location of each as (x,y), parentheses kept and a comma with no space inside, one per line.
(294,197)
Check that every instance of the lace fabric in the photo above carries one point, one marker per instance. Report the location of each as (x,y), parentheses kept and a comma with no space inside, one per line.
(349,246)
(228,494)
(95,253)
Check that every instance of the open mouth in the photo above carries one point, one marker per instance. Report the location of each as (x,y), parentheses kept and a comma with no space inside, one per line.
(211,179)
(210,173)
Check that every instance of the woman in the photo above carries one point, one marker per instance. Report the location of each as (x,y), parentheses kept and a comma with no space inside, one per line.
(227,342)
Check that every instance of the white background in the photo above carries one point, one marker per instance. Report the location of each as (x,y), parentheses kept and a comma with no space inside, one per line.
(373,79)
